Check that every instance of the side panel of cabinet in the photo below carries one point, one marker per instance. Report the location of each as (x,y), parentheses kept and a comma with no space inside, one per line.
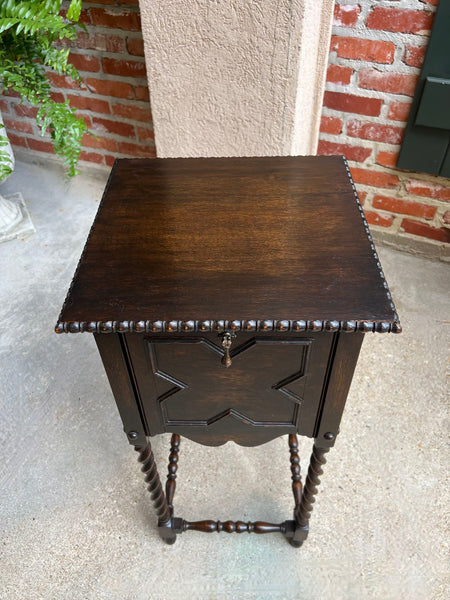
(345,352)
(120,378)
(274,385)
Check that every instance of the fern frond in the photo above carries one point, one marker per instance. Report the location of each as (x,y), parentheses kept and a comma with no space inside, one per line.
(66,130)
(28,30)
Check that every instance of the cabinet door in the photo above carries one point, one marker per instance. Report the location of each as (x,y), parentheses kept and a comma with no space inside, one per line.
(273,386)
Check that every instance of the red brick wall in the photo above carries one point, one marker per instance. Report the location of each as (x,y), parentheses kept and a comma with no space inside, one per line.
(113,99)
(375,56)
(377,49)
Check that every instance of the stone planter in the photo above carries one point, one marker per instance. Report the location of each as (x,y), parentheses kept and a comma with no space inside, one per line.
(14,218)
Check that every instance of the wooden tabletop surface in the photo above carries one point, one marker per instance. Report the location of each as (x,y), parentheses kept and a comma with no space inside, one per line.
(269,238)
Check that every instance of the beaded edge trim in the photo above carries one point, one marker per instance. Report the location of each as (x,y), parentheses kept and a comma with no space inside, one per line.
(398,327)
(233,325)
(225,325)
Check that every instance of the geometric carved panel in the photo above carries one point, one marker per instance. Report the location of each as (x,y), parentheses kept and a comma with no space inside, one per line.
(263,387)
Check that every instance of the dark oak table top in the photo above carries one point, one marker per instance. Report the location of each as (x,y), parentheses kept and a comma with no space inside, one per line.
(217,243)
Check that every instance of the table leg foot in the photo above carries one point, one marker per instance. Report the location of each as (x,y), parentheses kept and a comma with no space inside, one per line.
(294,533)
(166,532)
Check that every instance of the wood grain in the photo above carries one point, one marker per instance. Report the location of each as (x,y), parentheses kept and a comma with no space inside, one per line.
(236,239)
(273,387)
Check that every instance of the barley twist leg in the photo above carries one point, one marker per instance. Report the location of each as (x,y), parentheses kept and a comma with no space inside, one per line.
(303,511)
(295,470)
(173,467)
(157,493)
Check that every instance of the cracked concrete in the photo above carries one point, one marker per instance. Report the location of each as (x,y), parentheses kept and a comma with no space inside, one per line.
(76,520)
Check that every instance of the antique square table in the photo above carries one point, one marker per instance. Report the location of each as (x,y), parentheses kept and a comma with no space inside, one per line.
(229,298)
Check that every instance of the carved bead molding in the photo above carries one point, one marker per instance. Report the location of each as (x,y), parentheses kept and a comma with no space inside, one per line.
(396,324)
(225,325)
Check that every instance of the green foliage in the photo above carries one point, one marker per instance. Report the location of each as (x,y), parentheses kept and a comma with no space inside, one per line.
(28,34)
(5,158)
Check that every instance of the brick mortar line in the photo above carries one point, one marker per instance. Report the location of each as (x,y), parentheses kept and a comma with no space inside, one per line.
(96,131)
(339,139)
(364,92)
(36,134)
(350,139)
(381,35)
(410,174)
(342,138)
(121,55)
(104,30)
(118,6)
(99,54)
(359,142)
(358,65)
(113,9)
(101,151)
(112,77)
(112,99)
(383,120)
(123,138)
(375,2)
(370,4)
(354,90)
(117,31)
(86,113)
(423,177)
(113,33)
(342,114)
(115,118)
(88,94)
(100,134)
(379,120)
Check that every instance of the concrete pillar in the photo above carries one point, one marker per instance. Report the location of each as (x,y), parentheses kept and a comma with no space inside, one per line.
(236,77)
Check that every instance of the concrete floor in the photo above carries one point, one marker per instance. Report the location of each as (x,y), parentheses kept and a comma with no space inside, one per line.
(76,520)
